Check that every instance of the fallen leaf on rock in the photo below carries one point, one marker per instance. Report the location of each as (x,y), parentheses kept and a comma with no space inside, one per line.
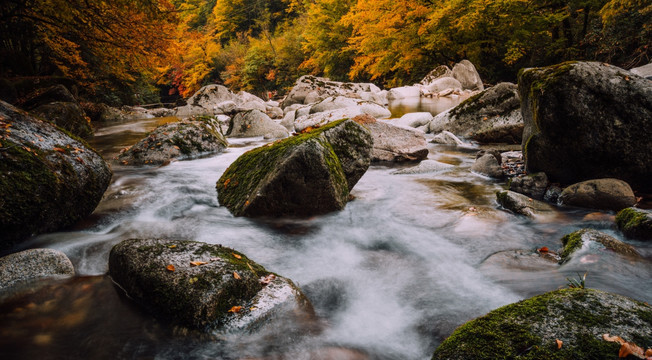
(197,263)
(172,246)
(252,269)
(628,349)
(253,308)
(267,279)
(236,275)
(559,343)
(543,249)
(236,256)
(648,352)
(235,309)
(616,339)
(170,267)
(59,150)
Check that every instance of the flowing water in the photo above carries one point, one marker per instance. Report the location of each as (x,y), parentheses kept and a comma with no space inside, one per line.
(407,261)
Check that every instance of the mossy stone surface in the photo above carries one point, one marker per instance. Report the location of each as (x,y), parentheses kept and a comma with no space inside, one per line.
(587,120)
(529,329)
(303,175)
(576,240)
(635,223)
(48,180)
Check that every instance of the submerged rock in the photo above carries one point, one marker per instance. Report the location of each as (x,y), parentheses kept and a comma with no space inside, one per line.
(521,204)
(396,144)
(22,268)
(530,328)
(635,223)
(494,115)
(587,120)
(48,180)
(305,175)
(603,194)
(185,139)
(201,286)
(576,240)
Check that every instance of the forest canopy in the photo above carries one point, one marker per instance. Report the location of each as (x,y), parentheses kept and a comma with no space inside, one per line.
(135,51)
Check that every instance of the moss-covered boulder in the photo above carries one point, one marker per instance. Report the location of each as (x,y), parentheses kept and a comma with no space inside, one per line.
(308,174)
(186,139)
(603,194)
(635,223)
(587,120)
(577,240)
(199,285)
(492,116)
(48,180)
(57,105)
(530,328)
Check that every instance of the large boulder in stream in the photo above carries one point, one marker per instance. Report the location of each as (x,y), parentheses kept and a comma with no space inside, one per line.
(603,194)
(304,175)
(531,329)
(20,271)
(635,223)
(395,143)
(254,123)
(587,120)
(203,286)
(48,180)
(186,139)
(310,89)
(492,116)
(57,105)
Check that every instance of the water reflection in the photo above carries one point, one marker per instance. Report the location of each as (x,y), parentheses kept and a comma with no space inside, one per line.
(434,106)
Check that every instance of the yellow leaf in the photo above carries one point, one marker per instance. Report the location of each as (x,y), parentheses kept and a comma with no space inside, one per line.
(236,256)
(197,263)
(235,309)
(172,246)
(170,267)
(236,275)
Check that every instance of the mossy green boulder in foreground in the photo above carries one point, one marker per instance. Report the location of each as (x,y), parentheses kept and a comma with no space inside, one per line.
(202,286)
(48,179)
(305,175)
(529,329)
(587,120)
(635,223)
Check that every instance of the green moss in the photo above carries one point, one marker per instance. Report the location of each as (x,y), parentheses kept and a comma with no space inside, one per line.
(635,223)
(245,175)
(572,242)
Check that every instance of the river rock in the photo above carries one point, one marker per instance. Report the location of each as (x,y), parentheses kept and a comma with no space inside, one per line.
(186,139)
(643,71)
(396,144)
(603,194)
(635,223)
(532,185)
(530,328)
(57,105)
(48,180)
(488,165)
(443,84)
(447,138)
(223,290)
(310,89)
(274,112)
(304,175)
(467,75)
(340,102)
(253,123)
(404,92)
(425,167)
(587,120)
(22,268)
(581,238)
(247,101)
(320,119)
(414,120)
(492,116)
(436,73)
(211,95)
(521,204)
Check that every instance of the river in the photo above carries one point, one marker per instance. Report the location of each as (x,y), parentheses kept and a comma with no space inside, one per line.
(407,261)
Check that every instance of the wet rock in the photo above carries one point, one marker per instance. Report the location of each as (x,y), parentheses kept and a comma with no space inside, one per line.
(578,239)
(635,223)
(603,194)
(48,180)
(530,328)
(276,134)
(310,89)
(404,92)
(521,204)
(643,71)
(467,75)
(305,175)
(223,290)
(253,123)
(488,165)
(302,122)
(340,102)
(521,260)
(161,112)
(532,185)
(424,167)
(58,106)
(553,193)
(492,116)
(186,139)
(414,120)
(396,144)
(22,268)
(436,73)
(587,120)
(447,138)
(442,84)
(210,95)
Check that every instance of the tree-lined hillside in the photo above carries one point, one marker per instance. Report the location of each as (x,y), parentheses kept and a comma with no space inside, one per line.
(135,51)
